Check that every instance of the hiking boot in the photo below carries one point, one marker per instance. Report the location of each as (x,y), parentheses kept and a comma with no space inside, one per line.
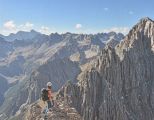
(50,109)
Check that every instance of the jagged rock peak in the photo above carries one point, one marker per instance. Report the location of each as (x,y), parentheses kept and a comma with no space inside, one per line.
(145,24)
(145,19)
(140,36)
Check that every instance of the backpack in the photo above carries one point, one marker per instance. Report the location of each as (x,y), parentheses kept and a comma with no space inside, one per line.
(44,94)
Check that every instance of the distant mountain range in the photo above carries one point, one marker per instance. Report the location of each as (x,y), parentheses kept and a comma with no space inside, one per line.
(30,59)
(21,35)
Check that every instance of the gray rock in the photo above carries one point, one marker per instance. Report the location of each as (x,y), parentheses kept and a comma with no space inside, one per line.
(121,84)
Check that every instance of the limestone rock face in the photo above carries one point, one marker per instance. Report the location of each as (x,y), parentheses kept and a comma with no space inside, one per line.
(120,86)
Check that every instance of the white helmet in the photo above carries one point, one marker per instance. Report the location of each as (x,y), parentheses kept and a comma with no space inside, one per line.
(49,84)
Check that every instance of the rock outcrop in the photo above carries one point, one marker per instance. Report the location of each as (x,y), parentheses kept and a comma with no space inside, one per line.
(120,86)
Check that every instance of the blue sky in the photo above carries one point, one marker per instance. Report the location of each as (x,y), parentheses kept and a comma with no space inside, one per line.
(79,16)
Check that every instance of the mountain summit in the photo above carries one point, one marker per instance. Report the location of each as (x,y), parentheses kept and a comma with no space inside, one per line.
(140,36)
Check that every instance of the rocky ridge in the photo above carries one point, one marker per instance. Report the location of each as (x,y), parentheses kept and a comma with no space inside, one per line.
(61,111)
(120,84)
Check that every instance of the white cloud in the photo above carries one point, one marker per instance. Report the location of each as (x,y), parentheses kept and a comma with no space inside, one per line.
(123,30)
(28,24)
(78,26)
(45,30)
(131,12)
(106,9)
(9,25)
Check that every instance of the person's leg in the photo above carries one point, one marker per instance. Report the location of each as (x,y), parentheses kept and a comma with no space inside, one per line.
(49,104)
(45,110)
(52,103)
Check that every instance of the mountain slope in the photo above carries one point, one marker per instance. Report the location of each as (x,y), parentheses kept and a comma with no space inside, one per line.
(40,55)
(5,48)
(120,84)
(3,87)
